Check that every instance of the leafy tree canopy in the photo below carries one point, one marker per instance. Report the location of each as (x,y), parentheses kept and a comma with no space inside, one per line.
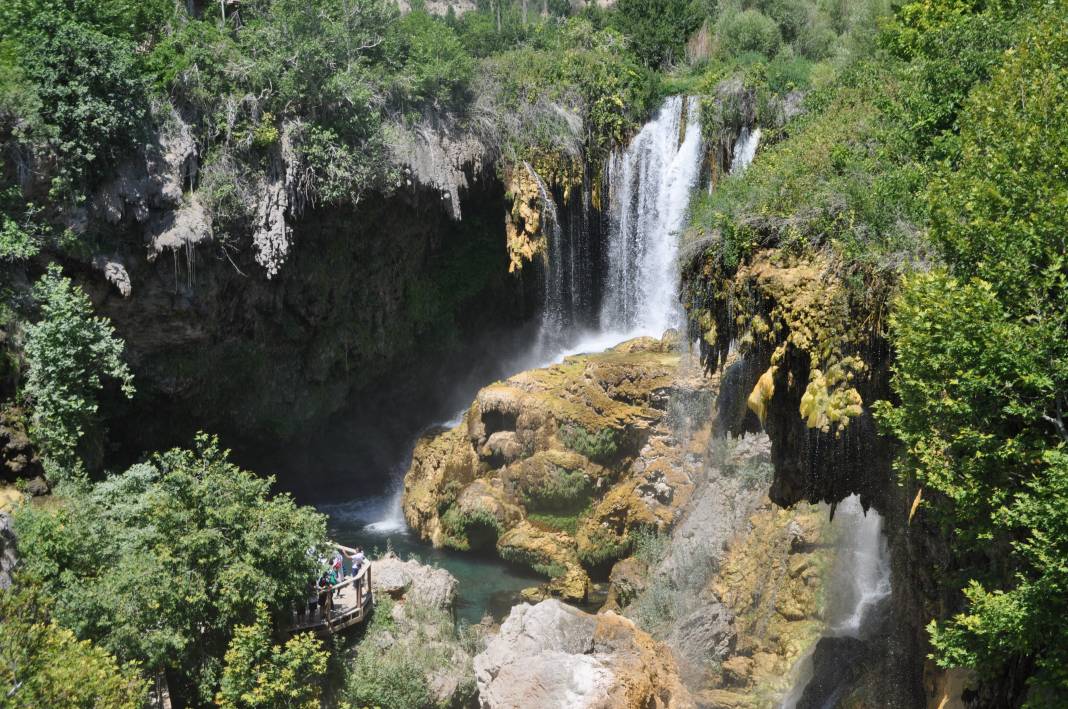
(982,367)
(70,352)
(159,564)
(45,665)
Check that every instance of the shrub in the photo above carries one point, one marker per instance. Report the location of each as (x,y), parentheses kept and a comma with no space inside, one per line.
(561,490)
(475,529)
(522,556)
(602,546)
(261,674)
(159,564)
(45,665)
(657,31)
(601,447)
(749,31)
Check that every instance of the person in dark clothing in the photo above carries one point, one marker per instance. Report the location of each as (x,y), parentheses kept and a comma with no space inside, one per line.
(325,600)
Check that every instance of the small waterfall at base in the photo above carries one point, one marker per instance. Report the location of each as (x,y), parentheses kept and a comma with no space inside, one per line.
(649,187)
(859,583)
(745,149)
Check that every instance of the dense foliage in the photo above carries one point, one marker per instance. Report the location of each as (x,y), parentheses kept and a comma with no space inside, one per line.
(159,564)
(44,665)
(982,367)
(259,673)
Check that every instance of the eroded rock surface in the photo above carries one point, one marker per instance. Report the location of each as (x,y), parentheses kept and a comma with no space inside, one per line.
(556,468)
(553,655)
(400,579)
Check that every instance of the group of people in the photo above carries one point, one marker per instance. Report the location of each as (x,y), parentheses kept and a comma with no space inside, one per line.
(319,591)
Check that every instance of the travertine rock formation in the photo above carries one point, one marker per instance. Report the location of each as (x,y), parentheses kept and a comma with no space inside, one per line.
(556,468)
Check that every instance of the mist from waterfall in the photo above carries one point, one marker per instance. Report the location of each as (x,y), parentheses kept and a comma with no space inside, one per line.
(859,582)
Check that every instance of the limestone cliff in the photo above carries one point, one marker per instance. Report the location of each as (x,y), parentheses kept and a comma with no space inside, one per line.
(813,358)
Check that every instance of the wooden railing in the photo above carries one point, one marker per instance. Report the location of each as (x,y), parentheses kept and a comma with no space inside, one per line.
(329,619)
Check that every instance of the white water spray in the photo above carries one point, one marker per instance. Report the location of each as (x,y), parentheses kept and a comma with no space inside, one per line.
(859,582)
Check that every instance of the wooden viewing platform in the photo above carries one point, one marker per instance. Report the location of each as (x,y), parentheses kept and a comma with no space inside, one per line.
(348,604)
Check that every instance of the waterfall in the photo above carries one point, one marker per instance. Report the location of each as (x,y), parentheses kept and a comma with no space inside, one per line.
(649,187)
(859,582)
(554,314)
(862,574)
(744,149)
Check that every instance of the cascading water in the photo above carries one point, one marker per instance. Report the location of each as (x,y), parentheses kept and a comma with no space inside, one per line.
(745,149)
(859,583)
(649,187)
(555,310)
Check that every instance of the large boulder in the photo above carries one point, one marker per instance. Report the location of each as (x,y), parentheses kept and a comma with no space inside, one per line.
(410,580)
(553,655)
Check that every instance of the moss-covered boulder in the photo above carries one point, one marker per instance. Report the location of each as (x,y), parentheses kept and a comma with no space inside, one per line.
(556,467)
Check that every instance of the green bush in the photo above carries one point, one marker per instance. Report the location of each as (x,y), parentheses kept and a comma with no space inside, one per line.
(525,557)
(562,490)
(259,673)
(476,529)
(602,447)
(44,665)
(982,369)
(69,353)
(603,547)
(658,31)
(749,31)
(159,564)
(434,67)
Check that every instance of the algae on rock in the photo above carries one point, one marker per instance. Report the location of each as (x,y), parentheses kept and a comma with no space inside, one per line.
(556,468)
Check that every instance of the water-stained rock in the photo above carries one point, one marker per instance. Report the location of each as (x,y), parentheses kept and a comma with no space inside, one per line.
(553,655)
(411,580)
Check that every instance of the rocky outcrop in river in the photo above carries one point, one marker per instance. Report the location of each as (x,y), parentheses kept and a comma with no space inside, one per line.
(556,468)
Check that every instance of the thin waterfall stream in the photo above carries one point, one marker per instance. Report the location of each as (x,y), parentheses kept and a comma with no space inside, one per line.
(859,584)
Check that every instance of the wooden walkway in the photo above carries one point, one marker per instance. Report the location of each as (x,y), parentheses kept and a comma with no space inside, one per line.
(349,603)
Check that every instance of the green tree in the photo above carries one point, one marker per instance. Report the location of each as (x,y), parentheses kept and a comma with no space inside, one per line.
(658,30)
(44,665)
(159,564)
(69,352)
(261,674)
(982,368)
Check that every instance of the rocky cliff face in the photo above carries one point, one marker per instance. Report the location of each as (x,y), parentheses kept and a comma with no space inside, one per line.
(812,361)
(557,468)
(396,283)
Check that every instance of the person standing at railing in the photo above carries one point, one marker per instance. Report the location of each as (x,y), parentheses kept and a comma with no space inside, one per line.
(358,560)
(337,570)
